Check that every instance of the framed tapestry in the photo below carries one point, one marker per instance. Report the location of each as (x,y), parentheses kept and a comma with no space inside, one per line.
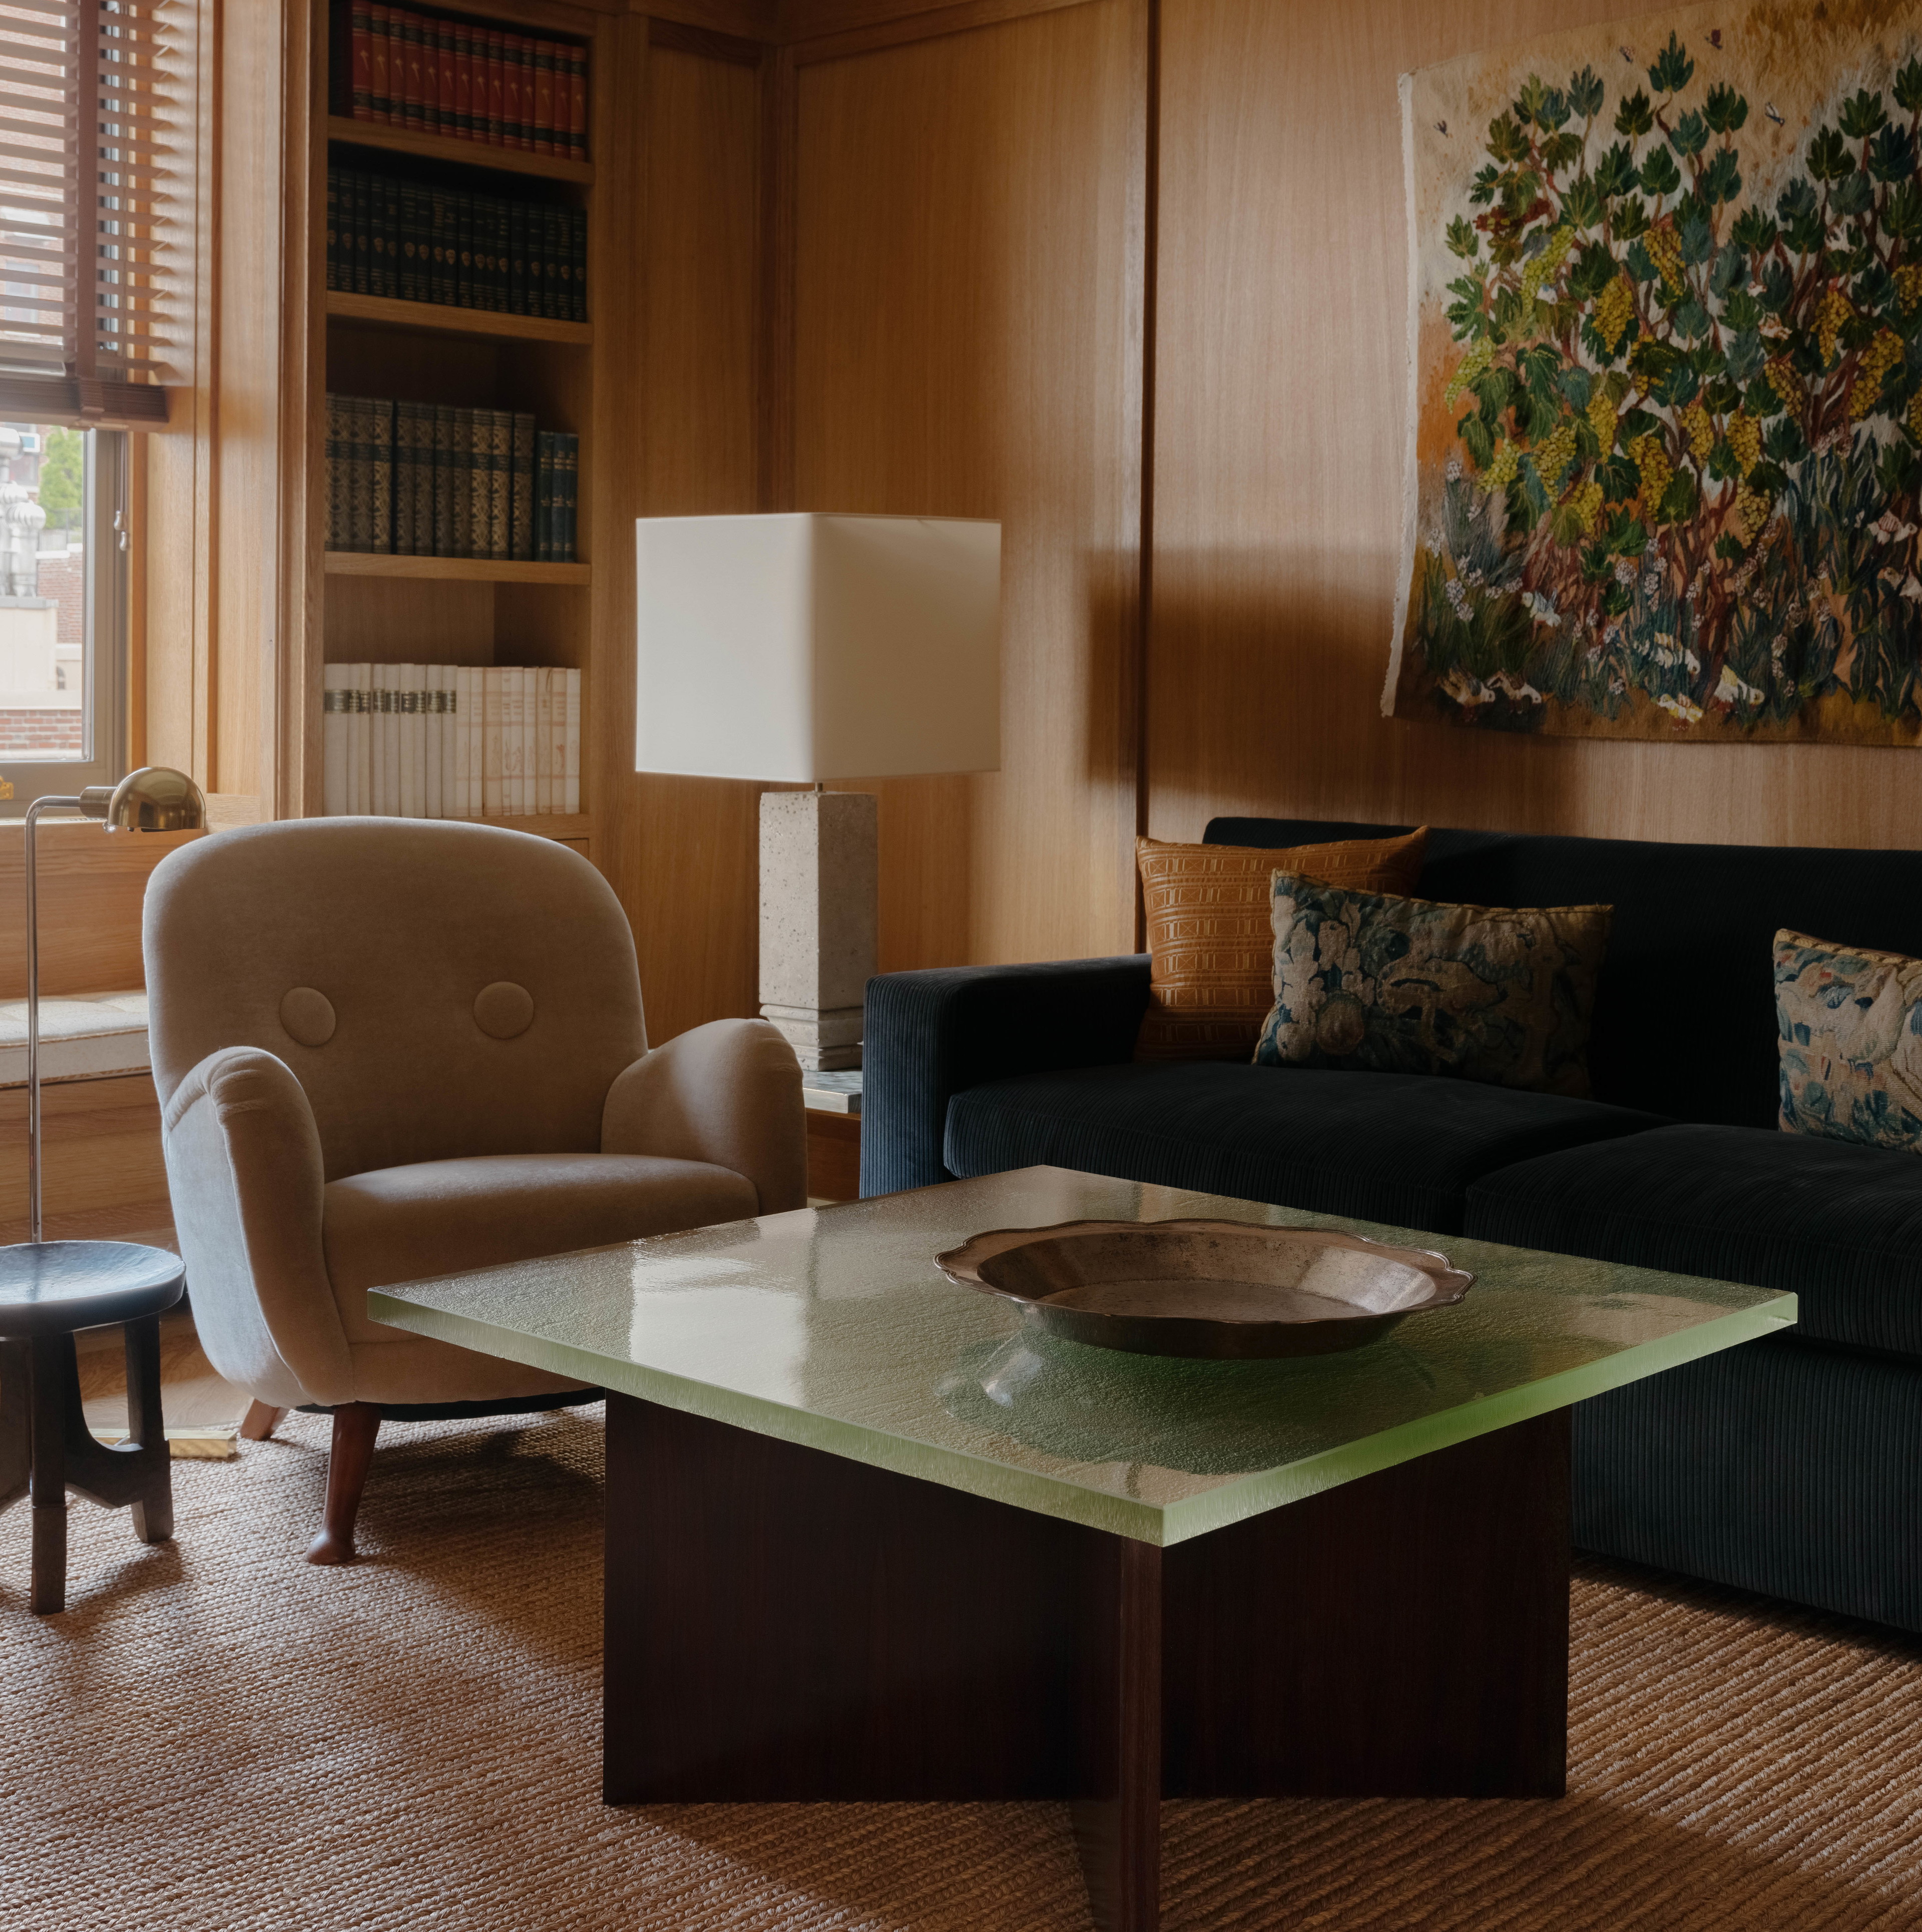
(1664,474)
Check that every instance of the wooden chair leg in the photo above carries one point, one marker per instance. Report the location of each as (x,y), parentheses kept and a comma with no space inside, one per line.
(259,1422)
(355,1425)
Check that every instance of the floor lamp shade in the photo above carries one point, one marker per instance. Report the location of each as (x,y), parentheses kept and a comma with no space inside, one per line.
(799,648)
(806,647)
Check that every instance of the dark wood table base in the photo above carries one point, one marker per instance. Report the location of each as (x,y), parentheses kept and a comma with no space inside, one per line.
(46,1448)
(784,1624)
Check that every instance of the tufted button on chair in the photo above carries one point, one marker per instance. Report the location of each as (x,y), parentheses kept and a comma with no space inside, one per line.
(388,1048)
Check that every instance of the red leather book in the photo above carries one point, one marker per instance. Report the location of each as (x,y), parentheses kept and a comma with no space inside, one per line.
(414,103)
(577,144)
(544,97)
(510,91)
(379,98)
(496,124)
(465,122)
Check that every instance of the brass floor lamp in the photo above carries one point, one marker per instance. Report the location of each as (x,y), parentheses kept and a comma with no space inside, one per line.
(50,1289)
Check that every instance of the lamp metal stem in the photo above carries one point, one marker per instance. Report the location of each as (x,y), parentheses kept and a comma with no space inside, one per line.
(34,810)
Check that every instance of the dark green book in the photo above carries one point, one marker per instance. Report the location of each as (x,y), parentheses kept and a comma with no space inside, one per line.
(337,492)
(544,497)
(423,474)
(357,433)
(503,233)
(390,205)
(579,263)
(464,225)
(409,538)
(446,476)
(518,213)
(563,267)
(521,532)
(333,228)
(500,483)
(480,488)
(412,193)
(443,255)
(381,455)
(460,444)
(354,184)
(377,263)
(566,477)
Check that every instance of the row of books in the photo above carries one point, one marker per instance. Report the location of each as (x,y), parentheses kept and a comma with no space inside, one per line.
(450,741)
(412,241)
(398,68)
(426,479)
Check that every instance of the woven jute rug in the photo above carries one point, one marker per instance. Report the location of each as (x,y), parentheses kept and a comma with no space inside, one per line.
(217,1736)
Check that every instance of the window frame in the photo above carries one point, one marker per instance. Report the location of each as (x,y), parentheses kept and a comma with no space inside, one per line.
(103,657)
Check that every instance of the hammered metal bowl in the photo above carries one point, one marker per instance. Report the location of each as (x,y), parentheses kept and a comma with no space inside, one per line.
(1206,1288)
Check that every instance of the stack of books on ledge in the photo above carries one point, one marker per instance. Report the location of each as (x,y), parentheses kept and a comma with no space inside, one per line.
(397,68)
(424,479)
(410,242)
(450,741)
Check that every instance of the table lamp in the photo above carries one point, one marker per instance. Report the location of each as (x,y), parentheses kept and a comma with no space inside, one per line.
(801,648)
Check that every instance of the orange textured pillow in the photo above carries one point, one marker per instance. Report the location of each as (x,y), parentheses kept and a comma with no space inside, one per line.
(1210,945)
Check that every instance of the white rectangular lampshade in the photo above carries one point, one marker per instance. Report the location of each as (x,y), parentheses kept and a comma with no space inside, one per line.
(809,647)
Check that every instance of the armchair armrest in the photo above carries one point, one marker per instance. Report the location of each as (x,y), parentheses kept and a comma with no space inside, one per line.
(245,1170)
(928,1035)
(728,1092)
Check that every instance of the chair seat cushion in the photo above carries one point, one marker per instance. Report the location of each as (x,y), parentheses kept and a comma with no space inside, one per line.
(396,1224)
(1397,1147)
(1837,1224)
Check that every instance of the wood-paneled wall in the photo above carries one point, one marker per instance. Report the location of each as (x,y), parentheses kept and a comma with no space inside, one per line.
(969,303)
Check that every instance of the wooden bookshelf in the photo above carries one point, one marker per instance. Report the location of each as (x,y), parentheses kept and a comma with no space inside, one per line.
(464,154)
(451,570)
(444,319)
(386,609)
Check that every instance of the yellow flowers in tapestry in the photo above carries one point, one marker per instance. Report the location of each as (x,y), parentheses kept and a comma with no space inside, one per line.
(1665,473)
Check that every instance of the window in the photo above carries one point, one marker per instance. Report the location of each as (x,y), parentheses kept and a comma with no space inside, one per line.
(63,610)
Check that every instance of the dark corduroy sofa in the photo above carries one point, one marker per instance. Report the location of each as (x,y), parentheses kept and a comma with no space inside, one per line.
(1793,1465)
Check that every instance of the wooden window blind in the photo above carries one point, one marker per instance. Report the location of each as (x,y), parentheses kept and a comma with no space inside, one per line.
(96,202)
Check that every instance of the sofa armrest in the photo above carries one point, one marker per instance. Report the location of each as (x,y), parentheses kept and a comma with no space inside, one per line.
(244,1171)
(728,1092)
(928,1035)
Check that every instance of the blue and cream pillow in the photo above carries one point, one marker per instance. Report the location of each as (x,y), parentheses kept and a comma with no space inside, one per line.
(1397,985)
(1850,1023)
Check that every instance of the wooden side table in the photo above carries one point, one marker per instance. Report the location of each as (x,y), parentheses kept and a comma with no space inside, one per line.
(48,1291)
(833,1101)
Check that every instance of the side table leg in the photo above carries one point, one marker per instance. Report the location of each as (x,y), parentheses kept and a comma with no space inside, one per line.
(153,1506)
(53,1365)
(1117,1826)
(16,1419)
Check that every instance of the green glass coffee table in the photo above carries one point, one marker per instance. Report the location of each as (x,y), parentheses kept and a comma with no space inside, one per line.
(869,1538)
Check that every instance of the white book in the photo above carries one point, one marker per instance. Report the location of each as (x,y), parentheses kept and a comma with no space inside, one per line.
(453,750)
(357,738)
(434,706)
(420,677)
(336,727)
(571,757)
(543,739)
(467,740)
(394,718)
(513,741)
(377,702)
(557,740)
(403,729)
(493,771)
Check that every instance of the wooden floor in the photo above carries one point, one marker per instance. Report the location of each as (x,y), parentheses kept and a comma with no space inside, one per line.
(203,1412)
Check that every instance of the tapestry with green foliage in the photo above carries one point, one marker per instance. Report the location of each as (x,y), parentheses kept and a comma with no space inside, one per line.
(1665,429)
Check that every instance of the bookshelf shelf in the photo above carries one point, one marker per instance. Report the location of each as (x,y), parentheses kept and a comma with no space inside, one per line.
(452,569)
(465,154)
(443,319)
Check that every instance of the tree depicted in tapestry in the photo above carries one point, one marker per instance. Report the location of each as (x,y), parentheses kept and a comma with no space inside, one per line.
(1665,473)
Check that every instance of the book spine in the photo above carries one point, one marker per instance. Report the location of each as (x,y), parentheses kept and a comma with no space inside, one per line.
(440,255)
(578,224)
(333,228)
(522,758)
(382,481)
(543,709)
(335,682)
(353,242)
(379,100)
(422,427)
(417,728)
(443,481)
(503,228)
(460,445)
(406,711)
(493,794)
(544,97)
(520,538)
(480,444)
(434,708)
(453,746)
(380,703)
(518,212)
(376,234)
(360,98)
(446,116)
(336,527)
(510,91)
(492,123)
(500,483)
(571,799)
(390,201)
(560,266)
(411,193)
(353,454)
(464,249)
(567,476)
(430,40)
(463,82)
(544,497)
(577,139)
(360,775)
(467,735)
(411,25)
(404,478)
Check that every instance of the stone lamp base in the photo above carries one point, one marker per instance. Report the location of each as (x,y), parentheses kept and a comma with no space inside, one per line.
(820,887)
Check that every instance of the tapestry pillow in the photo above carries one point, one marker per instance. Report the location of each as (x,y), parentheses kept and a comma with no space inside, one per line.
(1849,1023)
(1402,986)
(1209,942)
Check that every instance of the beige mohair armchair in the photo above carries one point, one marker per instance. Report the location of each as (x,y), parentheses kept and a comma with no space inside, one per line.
(387,1048)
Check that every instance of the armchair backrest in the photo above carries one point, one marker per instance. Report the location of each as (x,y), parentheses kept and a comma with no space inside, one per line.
(439,989)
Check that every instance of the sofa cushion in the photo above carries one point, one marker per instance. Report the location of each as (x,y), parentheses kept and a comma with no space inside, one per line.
(1850,1024)
(1838,1225)
(1397,1147)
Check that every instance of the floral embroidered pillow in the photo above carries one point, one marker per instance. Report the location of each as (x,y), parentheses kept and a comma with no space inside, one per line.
(1369,982)
(1850,1027)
